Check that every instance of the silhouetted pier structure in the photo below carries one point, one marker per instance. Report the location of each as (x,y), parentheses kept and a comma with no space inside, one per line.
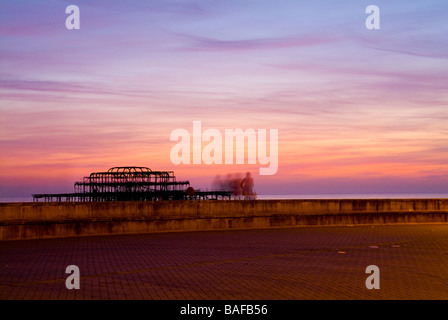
(132,184)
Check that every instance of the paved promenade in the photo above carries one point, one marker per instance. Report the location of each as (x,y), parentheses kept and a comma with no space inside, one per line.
(286,264)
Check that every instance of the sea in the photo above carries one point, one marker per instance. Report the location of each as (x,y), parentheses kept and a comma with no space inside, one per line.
(306,196)
(355,196)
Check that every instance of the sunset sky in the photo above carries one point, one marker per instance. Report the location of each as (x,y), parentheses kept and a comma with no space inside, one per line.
(357,110)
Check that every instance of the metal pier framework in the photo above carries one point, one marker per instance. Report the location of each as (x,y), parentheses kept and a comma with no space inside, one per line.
(132,184)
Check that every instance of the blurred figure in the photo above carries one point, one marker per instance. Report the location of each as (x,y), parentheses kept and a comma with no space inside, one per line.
(217,184)
(227,184)
(235,184)
(247,186)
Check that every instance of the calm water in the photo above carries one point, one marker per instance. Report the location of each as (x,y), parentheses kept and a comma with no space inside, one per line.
(357,196)
(306,196)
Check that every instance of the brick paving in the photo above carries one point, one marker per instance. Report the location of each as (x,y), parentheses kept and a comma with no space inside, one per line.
(309,263)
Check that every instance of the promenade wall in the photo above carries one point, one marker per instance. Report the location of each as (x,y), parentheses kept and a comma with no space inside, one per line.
(33,220)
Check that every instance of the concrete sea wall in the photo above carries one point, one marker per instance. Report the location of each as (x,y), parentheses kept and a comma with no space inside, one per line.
(68,219)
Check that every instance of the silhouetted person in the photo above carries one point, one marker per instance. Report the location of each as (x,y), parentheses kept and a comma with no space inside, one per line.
(247,184)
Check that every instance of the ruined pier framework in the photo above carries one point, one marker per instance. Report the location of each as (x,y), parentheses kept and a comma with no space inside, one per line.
(132,184)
